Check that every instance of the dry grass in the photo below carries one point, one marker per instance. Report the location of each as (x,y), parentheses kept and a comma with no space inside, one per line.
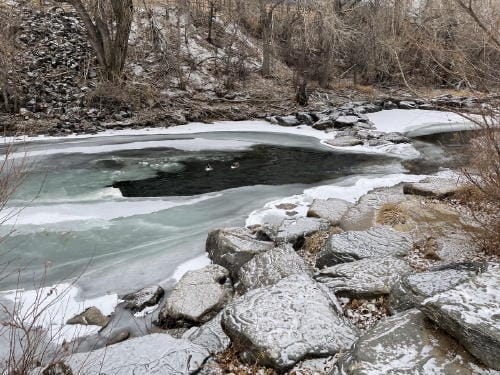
(391,214)
(230,363)
(363,89)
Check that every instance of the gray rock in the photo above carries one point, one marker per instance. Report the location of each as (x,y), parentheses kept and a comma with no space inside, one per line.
(287,120)
(329,209)
(406,104)
(294,230)
(270,267)
(411,290)
(390,105)
(395,137)
(143,298)
(432,187)
(363,215)
(210,335)
(406,344)
(147,355)
(342,121)
(326,121)
(470,312)
(91,316)
(371,108)
(344,141)
(282,324)
(197,297)
(305,118)
(233,247)
(368,277)
(351,246)
(58,368)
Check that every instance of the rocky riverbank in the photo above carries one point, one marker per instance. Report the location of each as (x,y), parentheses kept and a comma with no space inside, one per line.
(394,284)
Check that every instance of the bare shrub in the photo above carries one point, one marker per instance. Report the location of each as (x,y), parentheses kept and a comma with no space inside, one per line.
(483,176)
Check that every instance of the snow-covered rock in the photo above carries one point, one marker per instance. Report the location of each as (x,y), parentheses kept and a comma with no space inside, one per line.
(364,278)
(233,247)
(432,187)
(470,312)
(145,297)
(293,231)
(406,345)
(270,267)
(329,209)
(413,289)
(282,324)
(147,355)
(355,245)
(197,297)
(210,335)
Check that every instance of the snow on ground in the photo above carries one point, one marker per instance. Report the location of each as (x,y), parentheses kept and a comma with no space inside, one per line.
(350,189)
(55,305)
(404,120)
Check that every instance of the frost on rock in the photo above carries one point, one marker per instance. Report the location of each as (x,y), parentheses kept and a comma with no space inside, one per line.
(270,267)
(197,297)
(293,231)
(470,312)
(356,245)
(432,187)
(329,209)
(364,278)
(363,215)
(210,335)
(233,247)
(406,344)
(147,355)
(280,325)
(411,290)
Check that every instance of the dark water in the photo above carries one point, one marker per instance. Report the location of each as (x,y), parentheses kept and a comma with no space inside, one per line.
(261,165)
(442,150)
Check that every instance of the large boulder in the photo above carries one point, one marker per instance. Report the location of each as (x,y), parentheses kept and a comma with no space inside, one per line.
(147,355)
(411,290)
(329,209)
(197,297)
(470,312)
(294,231)
(270,267)
(363,215)
(210,335)
(406,344)
(356,245)
(433,187)
(364,278)
(279,325)
(233,247)
(145,297)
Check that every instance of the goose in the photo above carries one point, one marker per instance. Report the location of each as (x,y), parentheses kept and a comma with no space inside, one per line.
(235,165)
(208,168)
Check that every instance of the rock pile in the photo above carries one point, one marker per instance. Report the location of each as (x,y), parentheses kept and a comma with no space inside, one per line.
(260,300)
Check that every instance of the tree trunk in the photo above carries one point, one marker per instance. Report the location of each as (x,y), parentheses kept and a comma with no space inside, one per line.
(266,24)
(109,35)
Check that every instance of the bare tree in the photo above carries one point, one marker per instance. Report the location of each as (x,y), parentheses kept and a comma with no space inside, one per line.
(266,12)
(108,24)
